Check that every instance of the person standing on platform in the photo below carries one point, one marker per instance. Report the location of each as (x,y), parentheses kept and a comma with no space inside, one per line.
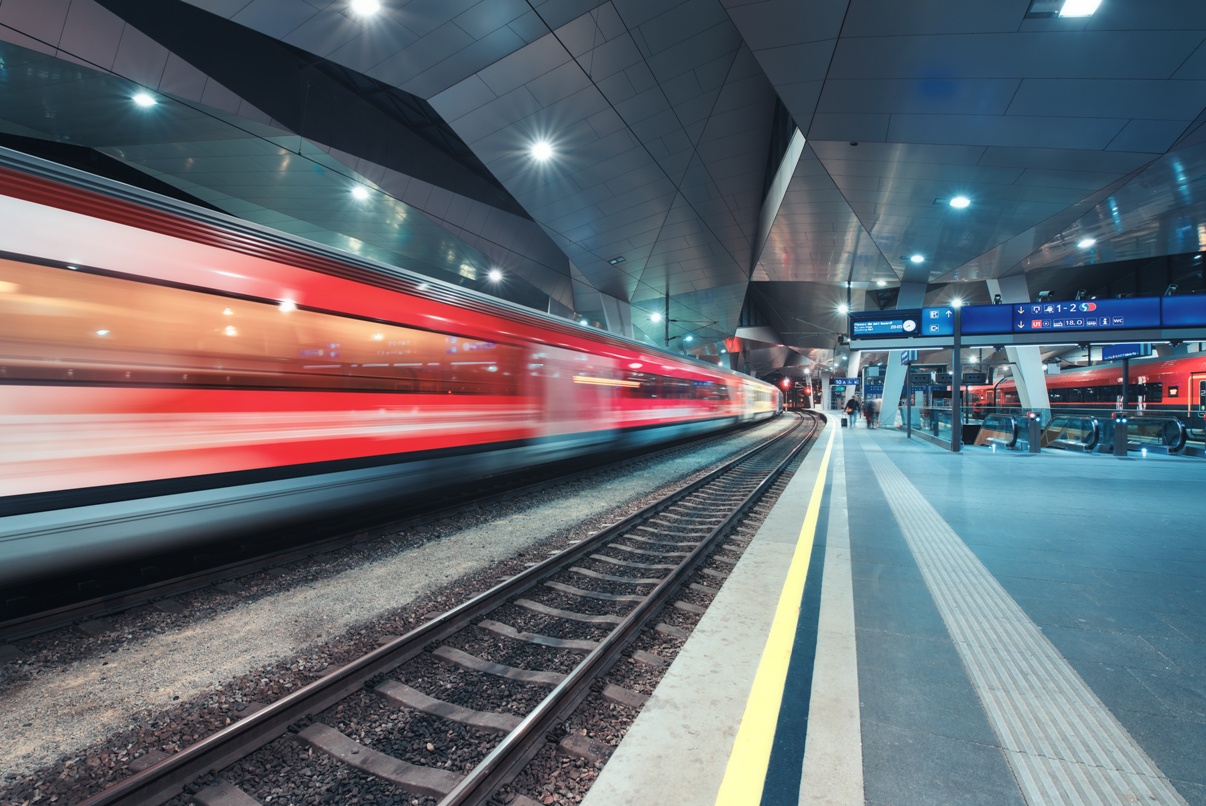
(871,413)
(852,409)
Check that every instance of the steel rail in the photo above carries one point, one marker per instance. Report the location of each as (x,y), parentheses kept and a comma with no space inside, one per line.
(164,780)
(511,755)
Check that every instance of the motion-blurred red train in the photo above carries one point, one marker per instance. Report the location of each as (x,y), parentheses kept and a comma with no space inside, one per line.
(169,375)
(1174,385)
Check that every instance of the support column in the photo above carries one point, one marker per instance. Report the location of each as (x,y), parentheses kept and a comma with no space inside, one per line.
(1027,361)
(851,371)
(912,295)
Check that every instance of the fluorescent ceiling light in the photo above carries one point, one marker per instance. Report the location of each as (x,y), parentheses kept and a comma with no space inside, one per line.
(959,202)
(1086,243)
(144,99)
(1079,8)
(1047,9)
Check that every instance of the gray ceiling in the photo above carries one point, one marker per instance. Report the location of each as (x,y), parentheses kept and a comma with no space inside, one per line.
(670,121)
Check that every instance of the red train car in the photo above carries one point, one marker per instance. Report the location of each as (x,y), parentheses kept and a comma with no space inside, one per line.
(1174,385)
(168,375)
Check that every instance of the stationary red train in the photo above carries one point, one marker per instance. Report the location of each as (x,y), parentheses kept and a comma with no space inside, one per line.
(1174,385)
(170,375)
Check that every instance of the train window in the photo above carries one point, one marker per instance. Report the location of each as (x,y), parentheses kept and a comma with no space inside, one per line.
(1154,392)
(60,326)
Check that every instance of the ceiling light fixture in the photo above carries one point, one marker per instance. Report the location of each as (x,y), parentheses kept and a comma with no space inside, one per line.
(1079,8)
(843,308)
(918,258)
(365,8)
(881,283)
(960,202)
(542,151)
(1048,9)
(1085,243)
(359,192)
(144,99)
(494,275)
(617,259)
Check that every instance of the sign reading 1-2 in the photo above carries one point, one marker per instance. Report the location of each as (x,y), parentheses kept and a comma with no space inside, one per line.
(1106,314)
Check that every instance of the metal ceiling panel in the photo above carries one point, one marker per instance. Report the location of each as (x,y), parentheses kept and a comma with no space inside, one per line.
(275,18)
(663,116)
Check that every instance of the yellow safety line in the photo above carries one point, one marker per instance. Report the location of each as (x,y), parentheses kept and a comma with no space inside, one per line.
(745,774)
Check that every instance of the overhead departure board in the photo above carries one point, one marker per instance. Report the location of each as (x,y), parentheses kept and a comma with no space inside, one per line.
(1104,314)
(885,324)
(1045,318)
(1183,311)
(978,320)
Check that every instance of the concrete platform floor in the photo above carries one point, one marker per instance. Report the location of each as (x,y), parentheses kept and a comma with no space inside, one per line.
(912,626)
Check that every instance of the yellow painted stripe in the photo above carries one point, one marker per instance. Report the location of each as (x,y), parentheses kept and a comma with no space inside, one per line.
(745,774)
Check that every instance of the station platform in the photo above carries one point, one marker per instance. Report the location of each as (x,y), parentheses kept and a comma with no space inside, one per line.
(915,626)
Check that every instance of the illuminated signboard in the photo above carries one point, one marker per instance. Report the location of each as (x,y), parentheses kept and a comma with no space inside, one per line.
(885,324)
(1114,352)
(1103,314)
(1081,316)
(937,321)
(844,381)
(1183,311)
(979,320)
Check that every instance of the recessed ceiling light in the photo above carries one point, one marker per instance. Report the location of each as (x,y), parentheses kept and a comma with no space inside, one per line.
(494,275)
(843,308)
(542,150)
(1079,8)
(360,192)
(655,317)
(881,283)
(959,202)
(1047,9)
(615,260)
(365,8)
(1085,243)
(917,258)
(144,99)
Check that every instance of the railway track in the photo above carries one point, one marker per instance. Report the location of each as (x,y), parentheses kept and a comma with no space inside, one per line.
(541,639)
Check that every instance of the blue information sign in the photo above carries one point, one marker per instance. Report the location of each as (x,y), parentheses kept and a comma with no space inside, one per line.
(1105,314)
(885,324)
(1183,311)
(981,320)
(937,321)
(1115,352)
(844,381)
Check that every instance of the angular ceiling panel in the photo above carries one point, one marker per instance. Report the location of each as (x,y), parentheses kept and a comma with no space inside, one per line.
(668,120)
